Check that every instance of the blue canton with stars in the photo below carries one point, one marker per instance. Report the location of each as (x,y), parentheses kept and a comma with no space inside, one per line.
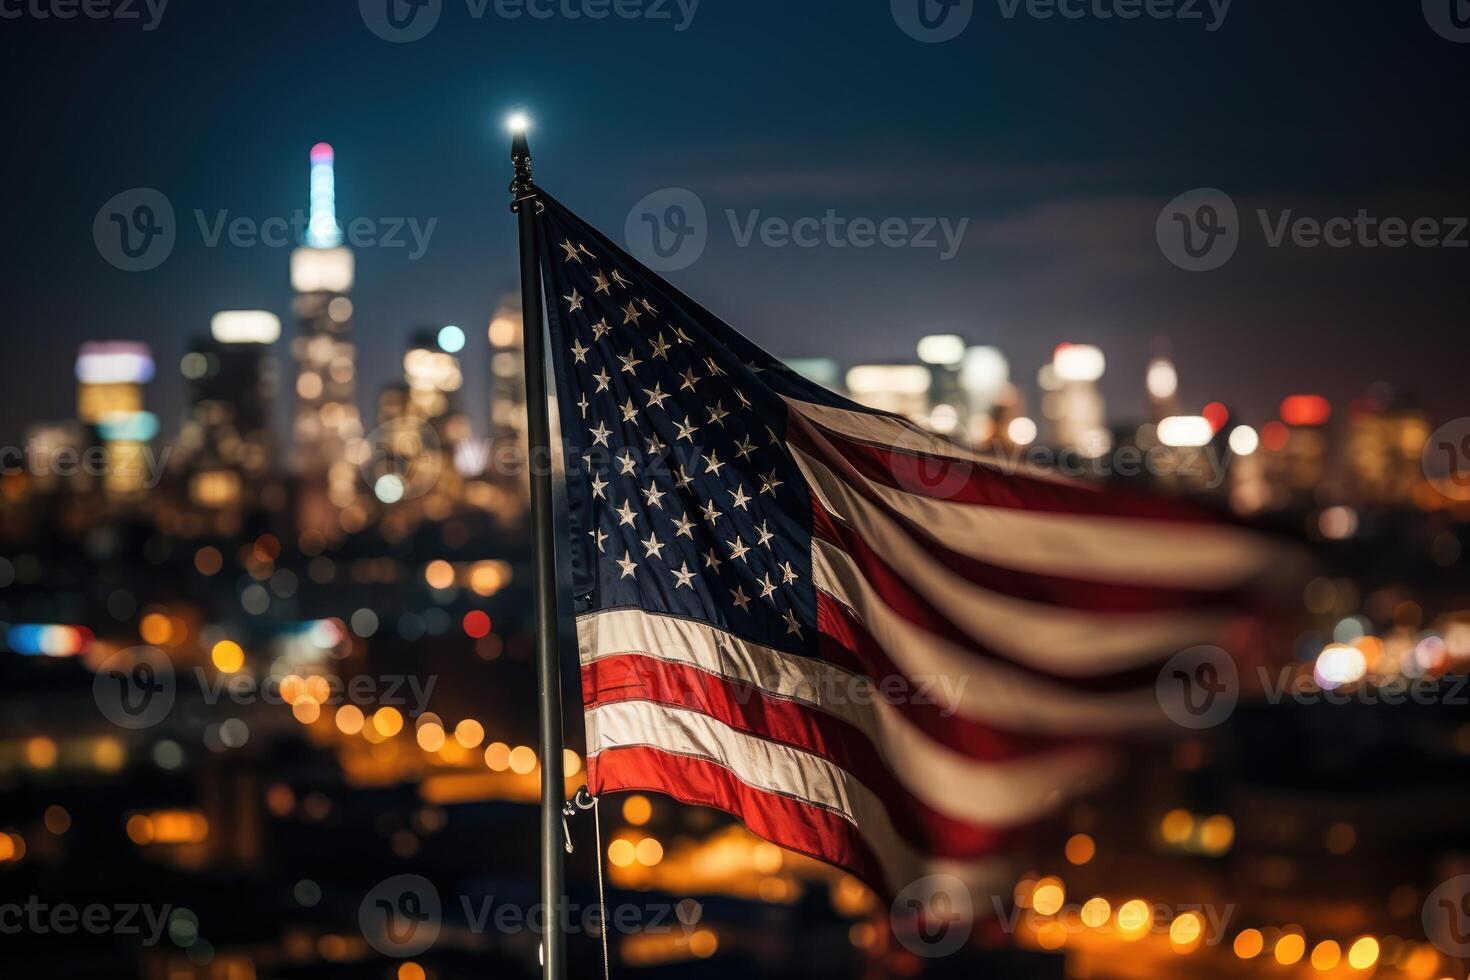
(683,498)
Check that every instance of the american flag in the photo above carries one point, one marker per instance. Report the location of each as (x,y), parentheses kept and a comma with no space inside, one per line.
(869,645)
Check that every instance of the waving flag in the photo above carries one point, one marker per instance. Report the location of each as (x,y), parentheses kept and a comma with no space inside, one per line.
(867,644)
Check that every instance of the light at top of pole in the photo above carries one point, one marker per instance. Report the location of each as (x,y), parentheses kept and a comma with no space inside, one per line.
(517,123)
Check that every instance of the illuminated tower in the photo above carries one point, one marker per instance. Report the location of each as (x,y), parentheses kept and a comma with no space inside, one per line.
(111,376)
(227,433)
(326,428)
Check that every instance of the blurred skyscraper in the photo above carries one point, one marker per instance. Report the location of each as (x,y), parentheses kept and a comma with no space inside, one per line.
(226,436)
(326,424)
(111,377)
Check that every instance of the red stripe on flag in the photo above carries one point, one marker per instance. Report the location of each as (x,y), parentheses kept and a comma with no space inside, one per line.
(635,677)
(792,824)
(899,596)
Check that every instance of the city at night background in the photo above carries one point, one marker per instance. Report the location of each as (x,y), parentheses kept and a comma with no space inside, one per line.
(267,686)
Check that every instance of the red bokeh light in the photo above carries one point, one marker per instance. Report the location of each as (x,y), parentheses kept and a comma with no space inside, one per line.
(476,624)
(1305,410)
(1217,415)
(1274,436)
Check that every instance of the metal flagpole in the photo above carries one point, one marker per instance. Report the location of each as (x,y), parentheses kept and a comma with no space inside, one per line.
(548,648)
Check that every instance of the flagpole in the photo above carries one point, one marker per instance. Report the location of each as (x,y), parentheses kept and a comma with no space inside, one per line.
(548,648)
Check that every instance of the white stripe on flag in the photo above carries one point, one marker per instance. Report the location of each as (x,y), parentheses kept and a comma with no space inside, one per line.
(994,794)
(758,763)
(1111,549)
(1003,696)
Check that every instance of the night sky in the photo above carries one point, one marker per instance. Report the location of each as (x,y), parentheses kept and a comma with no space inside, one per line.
(1060,140)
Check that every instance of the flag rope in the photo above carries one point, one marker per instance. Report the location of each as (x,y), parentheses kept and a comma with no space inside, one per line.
(569,809)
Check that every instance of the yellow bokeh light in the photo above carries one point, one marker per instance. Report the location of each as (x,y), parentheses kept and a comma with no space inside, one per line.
(1134,918)
(621,853)
(156,629)
(410,971)
(649,852)
(349,719)
(637,810)
(388,721)
(1363,953)
(292,687)
(41,752)
(1289,949)
(469,733)
(306,709)
(1185,930)
(1325,955)
(439,574)
(522,760)
(227,656)
(1176,826)
(1216,834)
(1051,935)
(1048,896)
(1096,912)
(497,756)
(703,943)
(1249,943)
(430,737)
(1080,848)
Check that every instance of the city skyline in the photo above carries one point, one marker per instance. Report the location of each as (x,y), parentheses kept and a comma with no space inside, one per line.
(1059,246)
